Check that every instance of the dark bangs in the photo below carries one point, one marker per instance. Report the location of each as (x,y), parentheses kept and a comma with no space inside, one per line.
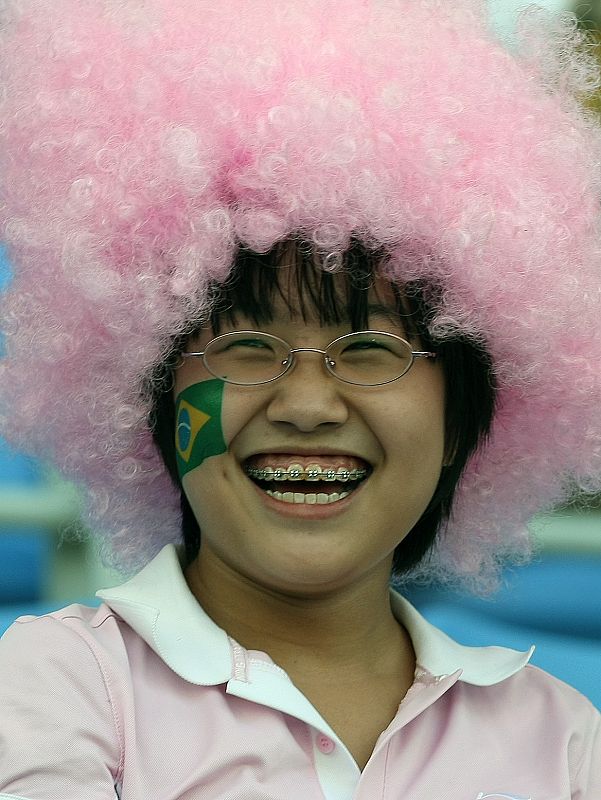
(293,270)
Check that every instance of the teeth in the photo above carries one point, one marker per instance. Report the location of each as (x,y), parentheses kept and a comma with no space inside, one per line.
(313,472)
(295,472)
(320,499)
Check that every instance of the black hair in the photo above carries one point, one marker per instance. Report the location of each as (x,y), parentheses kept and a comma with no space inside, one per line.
(256,279)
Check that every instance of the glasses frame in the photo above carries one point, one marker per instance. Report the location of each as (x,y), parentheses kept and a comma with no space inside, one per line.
(289,361)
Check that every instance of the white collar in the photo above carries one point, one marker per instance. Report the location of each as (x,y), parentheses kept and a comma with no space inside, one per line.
(158,604)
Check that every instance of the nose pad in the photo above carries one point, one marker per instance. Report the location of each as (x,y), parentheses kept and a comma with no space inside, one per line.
(308,395)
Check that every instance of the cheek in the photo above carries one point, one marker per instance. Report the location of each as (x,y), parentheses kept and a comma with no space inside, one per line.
(415,434)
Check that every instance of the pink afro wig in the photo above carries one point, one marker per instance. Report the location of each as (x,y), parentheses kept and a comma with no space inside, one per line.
(143,141)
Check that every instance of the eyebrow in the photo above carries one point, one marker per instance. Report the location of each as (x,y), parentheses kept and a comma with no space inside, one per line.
(389,312)
(398,316)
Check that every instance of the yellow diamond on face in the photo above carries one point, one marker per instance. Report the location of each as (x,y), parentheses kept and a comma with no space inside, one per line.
(189,422)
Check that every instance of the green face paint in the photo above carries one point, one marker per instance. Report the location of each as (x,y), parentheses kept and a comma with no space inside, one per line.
(198,431)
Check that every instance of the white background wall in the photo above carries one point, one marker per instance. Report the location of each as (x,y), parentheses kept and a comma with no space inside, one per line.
(504,12)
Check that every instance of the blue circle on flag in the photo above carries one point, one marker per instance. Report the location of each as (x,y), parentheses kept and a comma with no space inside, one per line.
(184,429)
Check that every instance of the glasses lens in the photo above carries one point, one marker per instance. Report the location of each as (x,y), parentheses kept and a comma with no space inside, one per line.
(246,357)
(369,358)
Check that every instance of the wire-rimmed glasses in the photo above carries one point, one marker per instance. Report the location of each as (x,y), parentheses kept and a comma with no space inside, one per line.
(363,358)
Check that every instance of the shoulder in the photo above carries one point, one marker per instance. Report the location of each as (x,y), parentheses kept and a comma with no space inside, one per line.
(537,691)
(61,693)
(536,712)
(536,695)
(73,632)
(75,653)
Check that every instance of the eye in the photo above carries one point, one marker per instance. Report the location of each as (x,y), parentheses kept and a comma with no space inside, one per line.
(252,343)
(367,344)
(245,348)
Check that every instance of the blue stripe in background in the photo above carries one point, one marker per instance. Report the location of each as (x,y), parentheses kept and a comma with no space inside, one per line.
(15,468)
(25,551)
(5,278)
(5,269)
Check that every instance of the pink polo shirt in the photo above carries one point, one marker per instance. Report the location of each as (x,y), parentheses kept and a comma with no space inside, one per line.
(146,698)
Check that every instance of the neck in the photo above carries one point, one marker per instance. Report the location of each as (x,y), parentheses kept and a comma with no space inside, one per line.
(351,628)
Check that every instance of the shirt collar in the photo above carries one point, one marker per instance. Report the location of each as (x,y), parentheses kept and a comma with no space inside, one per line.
(159,606)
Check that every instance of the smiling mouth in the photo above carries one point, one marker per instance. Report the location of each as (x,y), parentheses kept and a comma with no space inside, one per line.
(308,484)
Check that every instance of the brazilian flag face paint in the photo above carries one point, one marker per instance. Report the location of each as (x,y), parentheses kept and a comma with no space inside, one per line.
(198,431)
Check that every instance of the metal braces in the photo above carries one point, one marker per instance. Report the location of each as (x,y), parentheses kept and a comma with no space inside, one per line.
(296,472)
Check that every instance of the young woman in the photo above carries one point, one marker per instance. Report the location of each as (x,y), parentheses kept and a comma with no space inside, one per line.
(306,298)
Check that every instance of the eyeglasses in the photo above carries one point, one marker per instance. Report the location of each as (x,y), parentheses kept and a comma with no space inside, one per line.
(364,358)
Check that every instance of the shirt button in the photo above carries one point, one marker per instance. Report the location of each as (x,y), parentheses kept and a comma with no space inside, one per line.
(325,744)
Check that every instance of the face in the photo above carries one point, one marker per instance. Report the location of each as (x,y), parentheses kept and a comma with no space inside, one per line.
(394,434)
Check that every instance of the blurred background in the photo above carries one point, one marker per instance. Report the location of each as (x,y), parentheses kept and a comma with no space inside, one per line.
(47,562)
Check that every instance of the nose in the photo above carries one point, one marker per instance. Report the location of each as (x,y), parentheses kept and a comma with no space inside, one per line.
(307,397)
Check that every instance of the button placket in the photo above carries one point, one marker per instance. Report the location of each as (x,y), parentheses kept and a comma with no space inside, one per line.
(336,770)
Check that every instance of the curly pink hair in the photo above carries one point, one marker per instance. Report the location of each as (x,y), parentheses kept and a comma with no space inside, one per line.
(142,142)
